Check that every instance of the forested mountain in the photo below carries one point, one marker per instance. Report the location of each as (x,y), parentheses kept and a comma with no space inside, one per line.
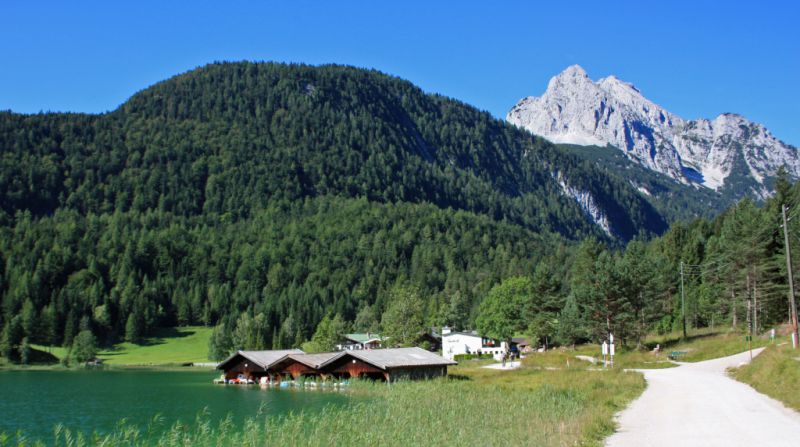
(675,201)
(279,194)
(733,268)
(230,138)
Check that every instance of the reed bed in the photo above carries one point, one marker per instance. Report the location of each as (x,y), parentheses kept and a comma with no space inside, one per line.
(474,406)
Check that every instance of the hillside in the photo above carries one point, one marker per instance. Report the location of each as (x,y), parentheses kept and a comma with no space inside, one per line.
(674,200)
(284,191)
(230,138)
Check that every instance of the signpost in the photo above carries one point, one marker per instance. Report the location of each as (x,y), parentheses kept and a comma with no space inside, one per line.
(611,348)
(608,351)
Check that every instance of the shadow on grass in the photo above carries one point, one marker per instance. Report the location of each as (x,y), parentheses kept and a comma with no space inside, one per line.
(675,341)
(458,377)
(159,337)
(38,357)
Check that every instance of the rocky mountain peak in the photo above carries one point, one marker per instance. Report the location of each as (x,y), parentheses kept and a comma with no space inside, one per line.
(576,110)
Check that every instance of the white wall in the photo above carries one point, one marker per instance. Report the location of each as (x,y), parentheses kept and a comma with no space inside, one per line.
(456,343)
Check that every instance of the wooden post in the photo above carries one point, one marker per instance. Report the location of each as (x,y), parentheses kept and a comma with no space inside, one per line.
(793,309)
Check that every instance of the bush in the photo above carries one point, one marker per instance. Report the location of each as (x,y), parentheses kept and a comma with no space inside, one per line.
(461,357)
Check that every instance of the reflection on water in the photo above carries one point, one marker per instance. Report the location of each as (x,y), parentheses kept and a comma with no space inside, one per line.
(35,401)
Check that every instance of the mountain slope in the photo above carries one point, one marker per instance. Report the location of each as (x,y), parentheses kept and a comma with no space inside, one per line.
(230,138)
(728,154)
(674,200)
(265,197)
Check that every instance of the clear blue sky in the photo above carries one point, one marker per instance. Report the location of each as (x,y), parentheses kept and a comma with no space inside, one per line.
(696,58)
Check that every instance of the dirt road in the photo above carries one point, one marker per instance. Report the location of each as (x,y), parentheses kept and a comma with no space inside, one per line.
(697,404)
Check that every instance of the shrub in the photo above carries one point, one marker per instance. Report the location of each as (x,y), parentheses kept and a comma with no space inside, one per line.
(461,357)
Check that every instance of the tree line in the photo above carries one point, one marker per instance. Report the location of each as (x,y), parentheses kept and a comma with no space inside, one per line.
(732,267)
(279,273)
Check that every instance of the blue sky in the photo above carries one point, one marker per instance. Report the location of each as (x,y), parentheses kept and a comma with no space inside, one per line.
(697,59)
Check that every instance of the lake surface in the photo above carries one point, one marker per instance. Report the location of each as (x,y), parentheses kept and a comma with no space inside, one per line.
(35,401)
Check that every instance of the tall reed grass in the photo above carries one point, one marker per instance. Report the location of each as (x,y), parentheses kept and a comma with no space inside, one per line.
(474,406)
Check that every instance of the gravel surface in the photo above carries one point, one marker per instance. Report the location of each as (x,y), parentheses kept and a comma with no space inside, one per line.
(508,365)
(697,404)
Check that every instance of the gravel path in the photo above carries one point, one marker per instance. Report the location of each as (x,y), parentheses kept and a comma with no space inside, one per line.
(697,404)
(508,365)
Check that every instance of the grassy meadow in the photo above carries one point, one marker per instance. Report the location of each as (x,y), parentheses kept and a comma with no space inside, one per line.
(707,344)
(704,344)
(168,346)
(776,373)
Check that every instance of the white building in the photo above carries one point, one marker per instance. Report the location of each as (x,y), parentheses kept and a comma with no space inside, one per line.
(455,343)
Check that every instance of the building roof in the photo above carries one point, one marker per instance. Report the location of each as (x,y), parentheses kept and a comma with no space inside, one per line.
(363,338)
(263,359)
(397,357)
(468,334)
(315,360)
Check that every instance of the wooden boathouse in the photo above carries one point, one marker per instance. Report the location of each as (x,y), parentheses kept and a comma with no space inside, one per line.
(380,364)
(253,364)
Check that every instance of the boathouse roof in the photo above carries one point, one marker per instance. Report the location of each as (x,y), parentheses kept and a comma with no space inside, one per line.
(264,359)
(381,358)
(397,357)
(315,360)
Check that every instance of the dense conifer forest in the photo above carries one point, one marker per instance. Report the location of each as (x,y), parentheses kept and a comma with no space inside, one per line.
(266,198)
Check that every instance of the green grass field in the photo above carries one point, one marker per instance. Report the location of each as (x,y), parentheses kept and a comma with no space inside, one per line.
(58,351)
(706,344)
(776,373)
(167,346)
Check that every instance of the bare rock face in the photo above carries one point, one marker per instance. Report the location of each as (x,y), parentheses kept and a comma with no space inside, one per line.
(576,110)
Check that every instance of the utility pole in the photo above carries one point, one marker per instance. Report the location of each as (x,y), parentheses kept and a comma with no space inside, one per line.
(683,303)
(791,279)
(749,335)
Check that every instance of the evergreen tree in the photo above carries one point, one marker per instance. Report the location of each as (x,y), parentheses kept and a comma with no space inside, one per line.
(366,320)
(329,333)
(402,322)
(84,348)
(25,351)
(220,345)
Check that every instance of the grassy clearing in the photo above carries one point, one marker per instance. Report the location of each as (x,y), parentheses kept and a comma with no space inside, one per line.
(707,345)
(474,406)
(703,344)
(776,373)
(565,358)
(58,351)
(168,346)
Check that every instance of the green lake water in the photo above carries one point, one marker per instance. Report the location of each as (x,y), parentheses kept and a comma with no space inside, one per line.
(35,401)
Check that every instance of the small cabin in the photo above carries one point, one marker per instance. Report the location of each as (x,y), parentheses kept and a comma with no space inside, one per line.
(360,341)
(392,364)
